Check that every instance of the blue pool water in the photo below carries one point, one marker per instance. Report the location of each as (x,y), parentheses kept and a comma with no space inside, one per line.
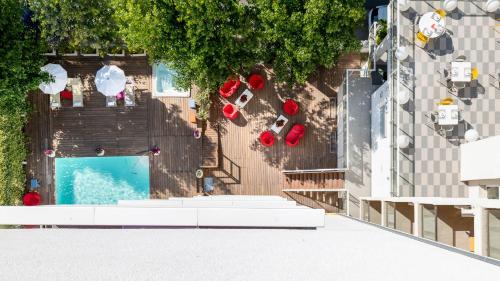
(101,180)
(164,82)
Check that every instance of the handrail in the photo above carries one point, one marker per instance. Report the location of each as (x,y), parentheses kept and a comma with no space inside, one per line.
(313,171)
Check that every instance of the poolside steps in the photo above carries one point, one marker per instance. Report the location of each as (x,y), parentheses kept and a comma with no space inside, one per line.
(326,180)
(221,211)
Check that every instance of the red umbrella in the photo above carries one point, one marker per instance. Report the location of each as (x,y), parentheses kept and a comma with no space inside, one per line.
(32,199)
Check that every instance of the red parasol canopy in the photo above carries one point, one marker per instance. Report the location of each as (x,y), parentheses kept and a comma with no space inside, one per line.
(32,199)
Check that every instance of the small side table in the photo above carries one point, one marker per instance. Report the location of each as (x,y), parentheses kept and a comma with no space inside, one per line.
(275,127)
(244,98)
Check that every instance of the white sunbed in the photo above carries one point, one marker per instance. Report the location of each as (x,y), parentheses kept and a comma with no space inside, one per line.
(129,95)
(110,101)
(77,89)
(55,101)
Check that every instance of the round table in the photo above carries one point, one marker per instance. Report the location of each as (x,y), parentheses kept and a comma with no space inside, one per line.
(432,25)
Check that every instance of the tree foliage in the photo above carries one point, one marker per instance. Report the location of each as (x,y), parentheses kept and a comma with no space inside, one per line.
(76,23)
(300,35)
(20,62)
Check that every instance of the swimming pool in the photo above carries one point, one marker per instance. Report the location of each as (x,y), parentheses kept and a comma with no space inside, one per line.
(163,82)
(101,180)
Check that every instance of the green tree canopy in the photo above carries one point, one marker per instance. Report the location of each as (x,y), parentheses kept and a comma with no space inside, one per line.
(300,35)
(76,23)
(20,62)
(204,41)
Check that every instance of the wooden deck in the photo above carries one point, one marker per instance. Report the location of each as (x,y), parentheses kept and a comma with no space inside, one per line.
(244,166)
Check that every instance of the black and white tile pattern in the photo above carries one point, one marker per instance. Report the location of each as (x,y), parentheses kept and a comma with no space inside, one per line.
(472,33)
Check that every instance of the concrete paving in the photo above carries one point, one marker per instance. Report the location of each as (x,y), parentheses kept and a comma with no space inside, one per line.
(344,250)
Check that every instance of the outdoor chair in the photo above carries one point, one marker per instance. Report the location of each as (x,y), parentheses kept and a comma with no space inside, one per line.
(110,101)
(421,40)
(267,138)
(208,184)
(256,82)
(474,73)
(32,198)
(230,111)
(129,95)
(192,103)
(290,107)
(34,184)
(460,58)
(296,133)
(229,88)
(440,12)
(77,89)
(55,101)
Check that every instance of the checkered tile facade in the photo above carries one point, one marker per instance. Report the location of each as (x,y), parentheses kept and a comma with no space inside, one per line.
(434,158)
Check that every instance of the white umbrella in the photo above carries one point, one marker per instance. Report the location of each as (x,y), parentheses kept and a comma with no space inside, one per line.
(110,80)
(60,77)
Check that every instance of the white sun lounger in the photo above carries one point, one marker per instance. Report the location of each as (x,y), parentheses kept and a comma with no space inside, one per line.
(129,95)
(55,101)
(110,101)
(77,89)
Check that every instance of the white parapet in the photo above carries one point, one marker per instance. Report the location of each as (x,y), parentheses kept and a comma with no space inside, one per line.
(479,162)
(134,216)
(232,197)
(74,215)
(267,204)
(46,215)
(213,217)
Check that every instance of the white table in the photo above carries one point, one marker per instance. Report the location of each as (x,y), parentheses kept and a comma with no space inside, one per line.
(432,25)
(277,129)
(239,103)
(448,114)
(461,71)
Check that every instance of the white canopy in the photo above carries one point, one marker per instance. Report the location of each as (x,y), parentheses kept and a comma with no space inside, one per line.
(60,77)
(110,80)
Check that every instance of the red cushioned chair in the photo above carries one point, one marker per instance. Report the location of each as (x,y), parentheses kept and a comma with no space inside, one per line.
(229,88)
(66,95)
(32,198)
(230,111)
(256,82)
(290,107)
(267,138)
(296,133)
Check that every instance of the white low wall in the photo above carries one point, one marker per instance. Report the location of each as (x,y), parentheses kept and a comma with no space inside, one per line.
(261,217)
(480,162)
(151,216)
(269,204)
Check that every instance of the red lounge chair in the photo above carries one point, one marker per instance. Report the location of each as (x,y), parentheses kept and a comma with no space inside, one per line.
(66,95)
(229,88)
(230,111)
(267,138)
(295,134)
(290,107)
(256,82)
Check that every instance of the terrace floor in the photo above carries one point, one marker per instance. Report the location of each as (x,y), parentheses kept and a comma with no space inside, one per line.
(432,164)
(245,167)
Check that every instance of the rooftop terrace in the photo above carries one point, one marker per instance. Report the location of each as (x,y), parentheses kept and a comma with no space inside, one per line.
(244,166)
(431,163)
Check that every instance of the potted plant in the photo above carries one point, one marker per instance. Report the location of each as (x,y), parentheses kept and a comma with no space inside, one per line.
(197,133)
(381,31)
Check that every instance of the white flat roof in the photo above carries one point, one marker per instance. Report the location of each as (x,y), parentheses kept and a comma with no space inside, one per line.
(344,250)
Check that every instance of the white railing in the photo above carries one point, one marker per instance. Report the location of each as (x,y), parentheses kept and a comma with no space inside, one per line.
(314,171)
